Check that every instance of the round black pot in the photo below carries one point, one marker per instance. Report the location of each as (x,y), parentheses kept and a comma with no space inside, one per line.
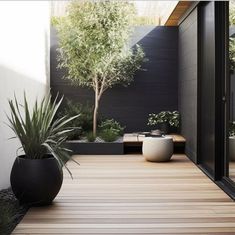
(36,181)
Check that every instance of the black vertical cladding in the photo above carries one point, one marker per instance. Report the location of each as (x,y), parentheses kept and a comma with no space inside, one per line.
(206,110)
(187,96)
(154,89)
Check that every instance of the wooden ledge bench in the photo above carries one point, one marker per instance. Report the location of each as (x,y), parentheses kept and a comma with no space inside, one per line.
(133,142)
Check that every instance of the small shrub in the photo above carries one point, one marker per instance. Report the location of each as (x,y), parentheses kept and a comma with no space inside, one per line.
(90,137)
(83,123)
(109,135)
(110,130)
(172,118)
(111,124)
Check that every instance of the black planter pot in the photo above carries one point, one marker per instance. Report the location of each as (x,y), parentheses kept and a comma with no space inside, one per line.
(36,181)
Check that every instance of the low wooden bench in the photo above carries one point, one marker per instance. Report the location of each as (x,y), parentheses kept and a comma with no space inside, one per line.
(133,142)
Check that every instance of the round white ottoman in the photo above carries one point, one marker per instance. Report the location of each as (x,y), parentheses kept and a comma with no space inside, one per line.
(157,149)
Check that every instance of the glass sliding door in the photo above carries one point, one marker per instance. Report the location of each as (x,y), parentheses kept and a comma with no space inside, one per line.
(216,93)
(231,87)
(213,92)
(211,88)
(227,182)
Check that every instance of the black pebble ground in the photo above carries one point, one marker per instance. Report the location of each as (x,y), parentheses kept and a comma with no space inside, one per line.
(11,212)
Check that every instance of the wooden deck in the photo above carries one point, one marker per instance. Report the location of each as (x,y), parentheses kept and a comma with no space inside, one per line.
(127,195)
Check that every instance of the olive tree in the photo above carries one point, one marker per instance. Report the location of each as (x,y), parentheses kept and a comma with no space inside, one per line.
(93,46)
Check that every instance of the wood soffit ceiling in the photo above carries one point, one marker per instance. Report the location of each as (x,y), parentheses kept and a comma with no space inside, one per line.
(178,12)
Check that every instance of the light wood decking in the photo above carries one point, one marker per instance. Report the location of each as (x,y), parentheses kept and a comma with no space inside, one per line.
(126,195)
(132,137)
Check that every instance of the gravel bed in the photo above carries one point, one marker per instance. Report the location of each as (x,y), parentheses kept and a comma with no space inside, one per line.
(11,212)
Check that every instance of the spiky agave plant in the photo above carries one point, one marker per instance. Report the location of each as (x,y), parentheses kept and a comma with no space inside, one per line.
(39,132)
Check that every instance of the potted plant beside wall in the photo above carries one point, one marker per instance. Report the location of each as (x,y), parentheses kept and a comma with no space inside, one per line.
(36,175)
(165,120)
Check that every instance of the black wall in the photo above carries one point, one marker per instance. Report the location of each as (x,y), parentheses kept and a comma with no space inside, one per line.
(153,90)
(188,52)
(207,86)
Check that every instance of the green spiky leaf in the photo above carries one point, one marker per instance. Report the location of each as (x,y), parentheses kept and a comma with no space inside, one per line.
(38,130)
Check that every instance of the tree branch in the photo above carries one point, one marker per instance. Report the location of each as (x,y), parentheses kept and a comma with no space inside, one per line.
(102,87)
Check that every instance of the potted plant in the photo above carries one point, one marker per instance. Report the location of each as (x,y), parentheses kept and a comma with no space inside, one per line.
(164,120)
(36,175)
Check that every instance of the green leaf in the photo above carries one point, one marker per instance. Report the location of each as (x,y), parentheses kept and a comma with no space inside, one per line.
(94,44)
(39,131)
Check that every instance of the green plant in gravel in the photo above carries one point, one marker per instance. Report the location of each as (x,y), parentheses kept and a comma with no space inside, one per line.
(81,125)
(39,131)
(109,135)
(172,118)
(90,136)
(93,46)
(110,130)
(112,125)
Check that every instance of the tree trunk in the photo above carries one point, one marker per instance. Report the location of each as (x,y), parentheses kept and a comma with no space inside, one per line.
(95,113)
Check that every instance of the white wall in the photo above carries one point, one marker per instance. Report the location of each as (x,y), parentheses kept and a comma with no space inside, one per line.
(24,65)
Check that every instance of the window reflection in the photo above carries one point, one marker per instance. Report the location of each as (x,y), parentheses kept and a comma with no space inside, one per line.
(232,90)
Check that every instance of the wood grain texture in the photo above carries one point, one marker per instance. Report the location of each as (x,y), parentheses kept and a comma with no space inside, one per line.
(127,195)
(132,137)
(180,9)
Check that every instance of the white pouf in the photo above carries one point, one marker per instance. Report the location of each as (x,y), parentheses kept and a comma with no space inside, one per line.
(157,149)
